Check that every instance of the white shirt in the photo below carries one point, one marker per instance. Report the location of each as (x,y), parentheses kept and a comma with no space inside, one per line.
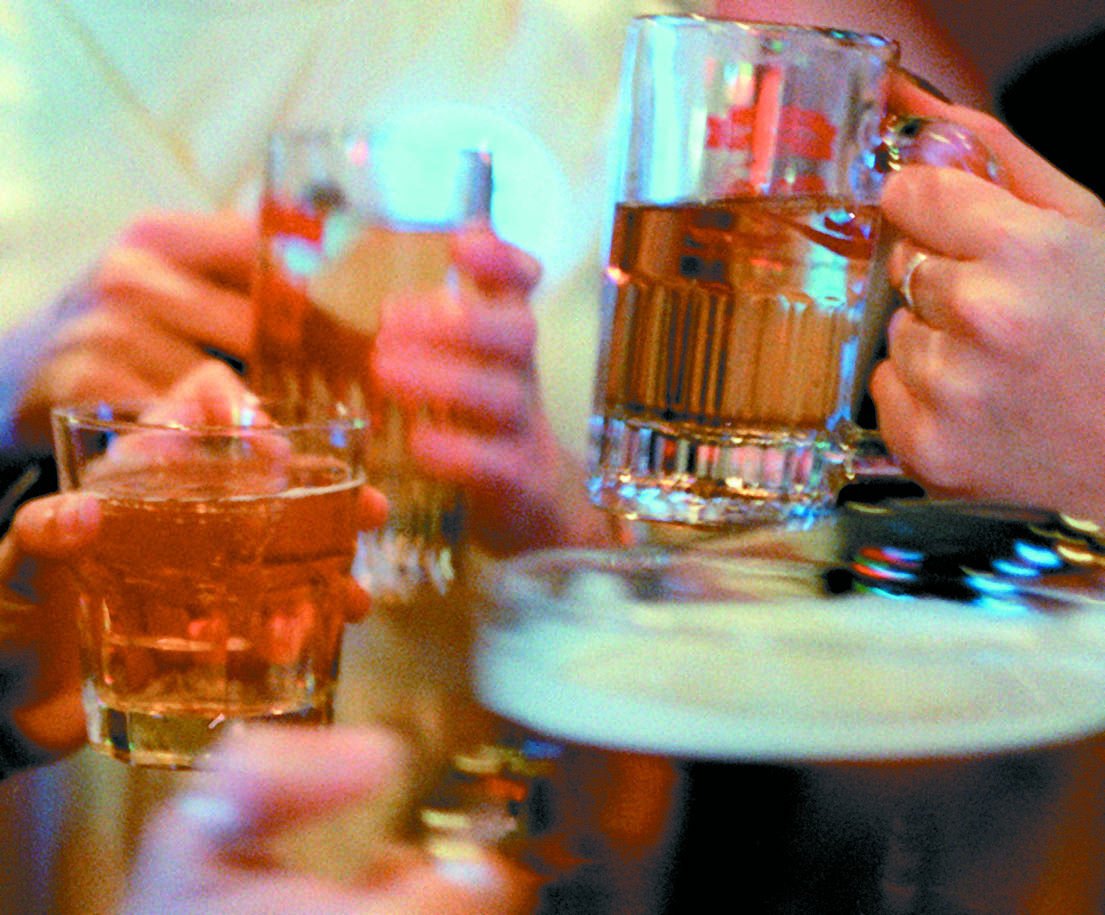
(111,108)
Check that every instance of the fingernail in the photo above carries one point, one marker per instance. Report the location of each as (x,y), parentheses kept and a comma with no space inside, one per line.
(218,818)
(924,85)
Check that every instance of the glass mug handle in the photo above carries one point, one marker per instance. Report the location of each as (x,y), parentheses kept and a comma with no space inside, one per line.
(905,140)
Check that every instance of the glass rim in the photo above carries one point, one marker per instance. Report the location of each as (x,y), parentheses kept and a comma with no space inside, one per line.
(739,649)
(840,36)
(546,583)
(125,416)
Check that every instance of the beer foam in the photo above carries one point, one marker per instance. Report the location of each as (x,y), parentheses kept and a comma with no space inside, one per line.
(798,677)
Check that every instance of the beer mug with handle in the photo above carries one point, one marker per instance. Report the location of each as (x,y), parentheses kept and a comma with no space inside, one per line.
(742,302)
(897,712)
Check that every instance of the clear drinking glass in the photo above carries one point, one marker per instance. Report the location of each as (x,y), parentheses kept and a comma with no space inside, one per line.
(901,710)
(349,219)
(218,586)
(737,320)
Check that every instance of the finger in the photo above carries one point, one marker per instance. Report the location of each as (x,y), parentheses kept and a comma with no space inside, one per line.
(494,265)
(453,387)
(88,376)
(1031,177)
(980,304)
(923,278)
(908,428)
(187,303)
(939,369)
(262,778)
(952,213)
(53,527)
(477,882)
(500,330)
(356,601)
(372,508)
(126,342)
(485,464)
(221,246)
(910,344)
(481,883)
(213,394)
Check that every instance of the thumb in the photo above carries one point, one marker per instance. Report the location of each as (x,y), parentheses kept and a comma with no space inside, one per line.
(259,779)
(1028,174)
(52,527)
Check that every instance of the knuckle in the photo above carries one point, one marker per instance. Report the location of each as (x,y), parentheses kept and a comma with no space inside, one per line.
(936,464)
(1041,241)
(1091,208)
(145,228)
(79,376)
(976,306)
(118,270)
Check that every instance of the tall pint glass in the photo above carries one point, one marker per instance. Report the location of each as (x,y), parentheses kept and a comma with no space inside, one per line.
(736,312)
(350,219)
(767,727)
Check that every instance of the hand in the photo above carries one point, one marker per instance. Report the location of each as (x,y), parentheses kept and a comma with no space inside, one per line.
(463,363)
(38,597)
(213,393)
(992,387)
(38,626)
(209,849)
(171,288)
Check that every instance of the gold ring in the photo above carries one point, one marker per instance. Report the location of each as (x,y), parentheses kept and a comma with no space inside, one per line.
(906,287)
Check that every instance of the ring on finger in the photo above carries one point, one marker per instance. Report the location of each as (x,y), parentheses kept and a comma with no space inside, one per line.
(906,286)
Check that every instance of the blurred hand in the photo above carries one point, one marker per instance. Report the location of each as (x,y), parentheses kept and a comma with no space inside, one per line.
(172,286)
(463,362)
(207,850)
(38,595)
(38,626)
(993,386)
(213,393)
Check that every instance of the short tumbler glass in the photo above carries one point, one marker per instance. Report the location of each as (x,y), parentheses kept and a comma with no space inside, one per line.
(216,590)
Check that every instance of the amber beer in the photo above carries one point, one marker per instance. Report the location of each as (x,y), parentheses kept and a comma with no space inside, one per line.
(730,317)
(315,332)
(783,753)
(218,584)
(201,606)
(732,328)
(348,222)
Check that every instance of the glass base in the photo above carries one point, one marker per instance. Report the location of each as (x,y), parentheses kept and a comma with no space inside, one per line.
(655,473)
(175,740)
(420,549)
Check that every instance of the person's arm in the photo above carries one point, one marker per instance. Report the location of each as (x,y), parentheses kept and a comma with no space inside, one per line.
(172,290)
